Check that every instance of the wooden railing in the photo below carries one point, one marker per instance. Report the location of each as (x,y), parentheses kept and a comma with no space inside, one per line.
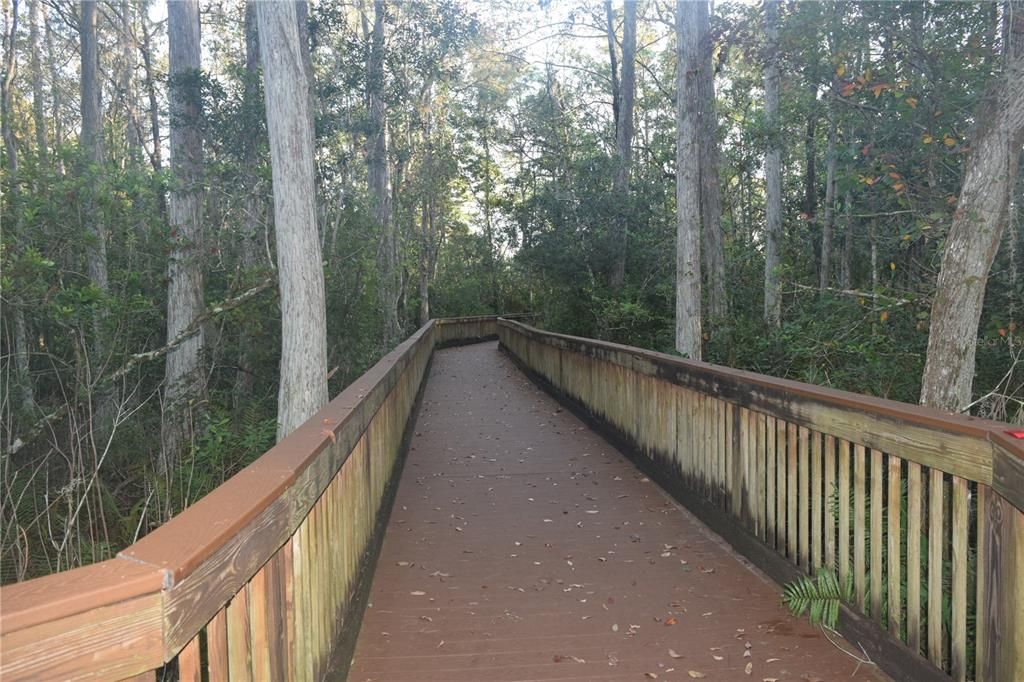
(920,510)
(257,580)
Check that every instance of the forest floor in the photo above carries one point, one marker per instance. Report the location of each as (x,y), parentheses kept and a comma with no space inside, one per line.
(522,546)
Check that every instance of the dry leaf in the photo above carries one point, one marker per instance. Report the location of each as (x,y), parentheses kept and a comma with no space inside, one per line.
(696,674)
(717,657)
(749,668)
(651,676)
(671,621)
(417,593)
(673,654)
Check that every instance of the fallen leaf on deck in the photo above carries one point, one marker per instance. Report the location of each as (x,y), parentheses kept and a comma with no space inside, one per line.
(749,668)
(671,621)
(696,674)
(417,593)
(717,657)
(673,654)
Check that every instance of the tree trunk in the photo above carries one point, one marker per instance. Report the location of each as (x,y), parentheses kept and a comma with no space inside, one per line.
(846,265)
(253,207)
(36,67)
(825,272)
(300,271)
(92,145)
(710,192)
(978,223)
(56,101)
(688,270)
(427,238)
(772,170)
(380,182)
(133,132)
(6,86)
(156,158)
(623,135)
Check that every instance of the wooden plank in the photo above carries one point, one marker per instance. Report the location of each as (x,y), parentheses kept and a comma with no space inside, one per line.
(829,501)
(259,627)
(110,642)
(791,490)
(771,438)
(844,512)
(276,634)
(760,469)
(958,623)
(781,474)
(817,512)
(1003,657)
(878,476)
(239,639)
(859,527)
(189,664)
(914,556)
(894,550)
(935,540)
(804,499)
(217,647)
(981,634)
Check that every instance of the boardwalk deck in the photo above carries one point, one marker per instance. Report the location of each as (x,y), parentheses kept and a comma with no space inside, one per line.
(522,546)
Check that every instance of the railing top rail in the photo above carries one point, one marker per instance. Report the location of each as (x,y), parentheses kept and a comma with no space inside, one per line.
(1001,462)
(173,551)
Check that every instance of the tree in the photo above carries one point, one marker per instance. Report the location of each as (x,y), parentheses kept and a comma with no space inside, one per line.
(710,191)
(982,212)
(623,95)
(772,169)
(303,387)
(688,181)
(184,378)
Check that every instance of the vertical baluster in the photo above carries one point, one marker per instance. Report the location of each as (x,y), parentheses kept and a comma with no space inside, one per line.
(935,540)
(877,545)
(782,470)
(859,530)
(792,527)
(771,438)
(981,561)
(239,641)
(744,463)
(844,512)
(217,646)
(914,556)
(804,499)
(829,496)
(259,625)
(958,639)
(894,550)
(816,510)
(760,466)
(189,664)
(731,412)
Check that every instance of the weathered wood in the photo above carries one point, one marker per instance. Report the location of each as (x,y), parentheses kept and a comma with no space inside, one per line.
(781,474)
(935,542)
(239,639)
(914,556)
(111,642)
(217,647)
(792,493)
(958,634)
(859,529)
(1003,655)
(895,497)
(760,469)
(980,585)
(844,512)
(189,664)
(817,513)
(771,438)
(804,498)
(830,495)
(259,626)
(877,542)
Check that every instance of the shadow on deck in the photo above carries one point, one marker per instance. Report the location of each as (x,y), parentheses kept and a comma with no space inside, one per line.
(523,546)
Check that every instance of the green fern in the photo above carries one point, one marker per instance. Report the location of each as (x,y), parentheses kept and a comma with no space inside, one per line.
(820,596)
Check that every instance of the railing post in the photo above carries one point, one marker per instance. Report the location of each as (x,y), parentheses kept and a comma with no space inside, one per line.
(1003,654)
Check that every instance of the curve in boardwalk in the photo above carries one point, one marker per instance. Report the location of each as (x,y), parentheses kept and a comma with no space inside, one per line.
(522,546)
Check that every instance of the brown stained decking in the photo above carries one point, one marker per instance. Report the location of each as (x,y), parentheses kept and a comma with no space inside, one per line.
(522,546)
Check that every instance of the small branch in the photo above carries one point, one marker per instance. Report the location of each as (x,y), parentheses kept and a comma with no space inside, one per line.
(893,301)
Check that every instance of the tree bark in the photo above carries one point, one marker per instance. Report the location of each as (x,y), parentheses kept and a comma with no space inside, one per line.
(36,67)
(772,170)
(623,134)
(825,272)
(303,387)
(6,88)
(184,378)
(688,269)
(846,264)
(133,131)
(156,158)
(978,223)
(92,145)
(253,206)
(710,192)
(380,182)
(55,94)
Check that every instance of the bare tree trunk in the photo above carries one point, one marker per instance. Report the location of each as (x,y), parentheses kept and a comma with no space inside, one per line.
(156,158)
(623,134)
(55,94)
(688,270)
(825,273)
(846,264)
(380,182)
(427,238)
(710,192)
(253,207)
(6,87)
(36,67)
(772,171)
(978,223)
(133,133)
(300,271)
(184,378)
(92,143)
(873,241)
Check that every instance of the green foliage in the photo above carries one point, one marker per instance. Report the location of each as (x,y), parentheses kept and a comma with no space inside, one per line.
(820,597)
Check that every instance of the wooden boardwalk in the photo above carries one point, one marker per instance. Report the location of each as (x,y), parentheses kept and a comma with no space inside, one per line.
(522,546)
